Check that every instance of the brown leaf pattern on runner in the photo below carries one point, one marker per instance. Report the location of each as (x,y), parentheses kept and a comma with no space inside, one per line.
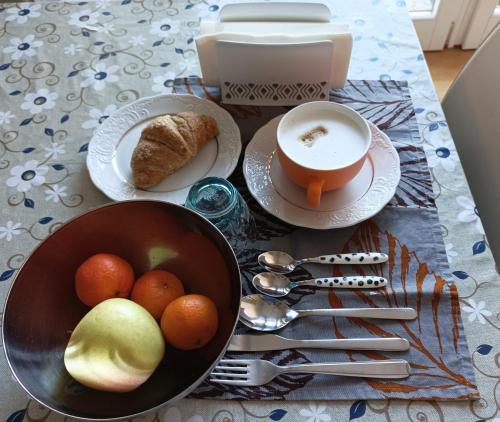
(407,283)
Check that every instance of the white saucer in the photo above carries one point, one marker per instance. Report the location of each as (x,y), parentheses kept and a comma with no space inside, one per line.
(112,145)
(359,200)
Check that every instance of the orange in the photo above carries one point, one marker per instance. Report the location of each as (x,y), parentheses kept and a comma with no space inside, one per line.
(103,276)
(155,290)
(190,322)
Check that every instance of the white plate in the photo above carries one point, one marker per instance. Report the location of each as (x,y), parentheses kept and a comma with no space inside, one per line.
(359,200)
(111,147)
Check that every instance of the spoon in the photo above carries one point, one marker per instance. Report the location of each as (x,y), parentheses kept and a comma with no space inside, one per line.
(282,263)
(263,314)
(278,285)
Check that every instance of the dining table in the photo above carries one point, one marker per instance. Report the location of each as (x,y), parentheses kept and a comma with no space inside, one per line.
(65,67)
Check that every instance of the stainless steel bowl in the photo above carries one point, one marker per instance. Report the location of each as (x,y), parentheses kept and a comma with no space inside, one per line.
(42,308)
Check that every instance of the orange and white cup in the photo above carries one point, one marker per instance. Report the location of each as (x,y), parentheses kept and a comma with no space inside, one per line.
(331,174)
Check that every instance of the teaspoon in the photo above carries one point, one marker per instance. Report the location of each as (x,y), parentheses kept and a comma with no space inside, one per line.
(282,263)
(263,314)
(278,285)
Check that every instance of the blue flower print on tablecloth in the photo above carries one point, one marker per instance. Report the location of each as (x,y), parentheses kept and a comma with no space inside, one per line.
(83,18)
(72,49)
(10,230)
(162,84)
(24,177)
(164,27)
(22,47)
(55,192)
(6,117)
(315,413)
(137,40)
(99,76)
(476,310)
(36,102)
(441,151)
(54,150)
(22,12)
(469,213)
(98,116)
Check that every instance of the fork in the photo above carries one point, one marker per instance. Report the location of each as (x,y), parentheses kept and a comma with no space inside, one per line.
(253,372)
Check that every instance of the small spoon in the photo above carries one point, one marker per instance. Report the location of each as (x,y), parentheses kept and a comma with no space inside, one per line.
(263,314)
(278,285)
(282,263)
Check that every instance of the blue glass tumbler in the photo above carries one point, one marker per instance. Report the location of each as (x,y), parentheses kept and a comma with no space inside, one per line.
(220,202)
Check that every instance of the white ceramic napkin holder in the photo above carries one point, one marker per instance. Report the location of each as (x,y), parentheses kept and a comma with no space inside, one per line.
(274,53)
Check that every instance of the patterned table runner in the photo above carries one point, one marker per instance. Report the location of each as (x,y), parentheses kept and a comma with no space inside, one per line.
(407,230)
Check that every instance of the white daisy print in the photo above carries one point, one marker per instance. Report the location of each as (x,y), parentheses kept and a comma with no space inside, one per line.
(83,18)
(163,83)
(26,176)
(164,27)
(476,311)
(137,40)
(22,12)
(441,151)
(55,193)
(6,117)
(315,413)
(35,102)
(98,116)
(25,47)
(98,77)
(106,28)
(72,49)
(469,214)
(54,150)
(10,230)
(452,254)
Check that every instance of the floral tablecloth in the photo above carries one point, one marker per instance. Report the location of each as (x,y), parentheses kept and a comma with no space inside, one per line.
(65,66)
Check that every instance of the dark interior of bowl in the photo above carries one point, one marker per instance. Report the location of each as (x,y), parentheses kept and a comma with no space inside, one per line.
(42,308)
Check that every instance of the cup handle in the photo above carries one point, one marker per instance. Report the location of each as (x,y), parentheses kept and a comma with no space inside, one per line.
(314,189)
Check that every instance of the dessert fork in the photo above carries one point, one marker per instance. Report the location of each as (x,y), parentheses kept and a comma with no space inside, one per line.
(254,372)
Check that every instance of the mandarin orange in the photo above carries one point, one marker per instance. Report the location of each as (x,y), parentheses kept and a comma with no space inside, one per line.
(190,322)
(154,290)
(103,276)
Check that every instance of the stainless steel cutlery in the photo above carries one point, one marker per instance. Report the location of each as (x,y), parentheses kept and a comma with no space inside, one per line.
(278,285)
(263,314)
(264,342)
(255,372)
(282,263)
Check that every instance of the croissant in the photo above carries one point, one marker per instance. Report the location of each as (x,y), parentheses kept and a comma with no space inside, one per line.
(167,144)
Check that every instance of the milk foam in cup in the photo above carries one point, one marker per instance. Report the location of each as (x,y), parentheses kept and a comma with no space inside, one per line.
(322,146)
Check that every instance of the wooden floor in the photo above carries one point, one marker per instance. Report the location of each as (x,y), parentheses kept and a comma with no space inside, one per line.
(445,66)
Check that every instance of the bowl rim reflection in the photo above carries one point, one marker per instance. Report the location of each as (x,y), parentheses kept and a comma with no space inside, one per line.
(71,220)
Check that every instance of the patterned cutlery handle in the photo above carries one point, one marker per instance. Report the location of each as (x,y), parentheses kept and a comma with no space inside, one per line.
(350,258)
(352,282)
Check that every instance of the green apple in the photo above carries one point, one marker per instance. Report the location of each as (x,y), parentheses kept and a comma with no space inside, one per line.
(115,347)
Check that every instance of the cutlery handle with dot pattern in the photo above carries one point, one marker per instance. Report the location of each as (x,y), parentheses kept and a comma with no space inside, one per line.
(351,282)
(351,258)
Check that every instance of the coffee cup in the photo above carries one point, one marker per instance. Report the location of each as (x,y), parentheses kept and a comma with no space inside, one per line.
(322,146)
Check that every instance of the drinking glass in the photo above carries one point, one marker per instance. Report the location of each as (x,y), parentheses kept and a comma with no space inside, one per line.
(219,201)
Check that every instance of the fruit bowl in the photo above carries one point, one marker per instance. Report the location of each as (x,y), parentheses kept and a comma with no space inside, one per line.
(42,307)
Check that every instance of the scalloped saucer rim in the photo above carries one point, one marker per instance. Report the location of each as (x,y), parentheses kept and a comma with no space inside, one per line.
(112,143)
(286,201)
